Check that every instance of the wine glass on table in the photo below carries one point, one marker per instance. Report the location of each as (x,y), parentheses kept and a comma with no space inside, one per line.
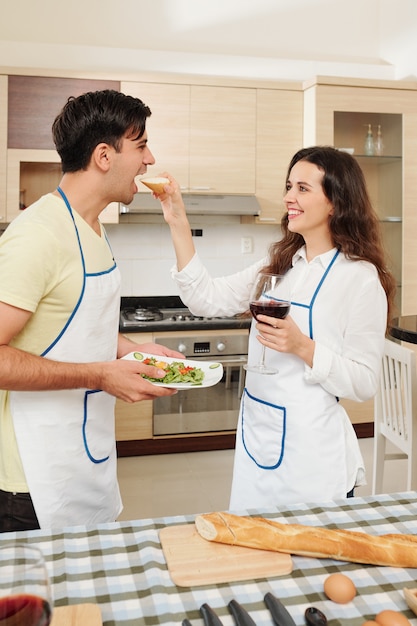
(267,299)
(25,592)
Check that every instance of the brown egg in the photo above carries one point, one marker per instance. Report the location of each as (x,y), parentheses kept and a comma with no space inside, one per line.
(339,588)
(391,618)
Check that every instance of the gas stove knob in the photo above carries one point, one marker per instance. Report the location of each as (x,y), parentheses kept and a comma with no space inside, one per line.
(221,346)
(182,348)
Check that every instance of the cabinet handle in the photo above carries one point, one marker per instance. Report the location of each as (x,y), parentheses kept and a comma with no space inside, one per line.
(201,188)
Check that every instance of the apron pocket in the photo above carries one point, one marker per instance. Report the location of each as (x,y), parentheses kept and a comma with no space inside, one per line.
(98,429)
(263,431)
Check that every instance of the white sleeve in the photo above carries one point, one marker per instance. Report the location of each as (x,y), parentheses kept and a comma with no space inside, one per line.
(216,297)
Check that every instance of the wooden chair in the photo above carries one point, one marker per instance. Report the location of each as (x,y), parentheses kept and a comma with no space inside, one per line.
(393,413)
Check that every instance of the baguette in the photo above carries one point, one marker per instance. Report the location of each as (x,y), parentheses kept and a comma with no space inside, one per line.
(395,550)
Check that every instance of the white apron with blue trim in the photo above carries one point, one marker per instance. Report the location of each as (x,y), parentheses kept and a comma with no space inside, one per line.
(66,438)
(293,438)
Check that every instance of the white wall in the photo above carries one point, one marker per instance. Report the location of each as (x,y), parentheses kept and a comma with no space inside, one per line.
(398,36)
(145,255)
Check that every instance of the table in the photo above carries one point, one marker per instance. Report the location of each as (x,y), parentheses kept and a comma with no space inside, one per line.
(404,328)
(121,567)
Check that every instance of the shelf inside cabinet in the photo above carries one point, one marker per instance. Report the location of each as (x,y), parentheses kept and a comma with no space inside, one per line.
(382,159)
(38,179)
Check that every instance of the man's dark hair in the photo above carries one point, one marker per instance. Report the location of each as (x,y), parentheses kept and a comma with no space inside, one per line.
(93,118)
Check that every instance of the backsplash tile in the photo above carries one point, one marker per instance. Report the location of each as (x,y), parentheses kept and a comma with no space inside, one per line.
(144,253)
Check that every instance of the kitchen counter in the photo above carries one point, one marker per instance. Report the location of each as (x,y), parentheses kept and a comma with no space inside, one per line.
(121,567)
(404,328)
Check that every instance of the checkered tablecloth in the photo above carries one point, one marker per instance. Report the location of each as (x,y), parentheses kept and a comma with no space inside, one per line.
(121,567)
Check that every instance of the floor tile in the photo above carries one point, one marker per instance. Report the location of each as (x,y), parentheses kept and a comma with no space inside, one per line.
(195,482)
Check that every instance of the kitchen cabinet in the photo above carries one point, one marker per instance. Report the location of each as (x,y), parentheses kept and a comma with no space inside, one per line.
(34,173)
(338,112)
(134,421)
(33,165)
(279,134)
(35,101)
(204,135)
(167,127)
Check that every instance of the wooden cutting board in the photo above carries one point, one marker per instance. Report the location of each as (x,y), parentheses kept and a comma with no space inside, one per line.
(193,561)
(77,615)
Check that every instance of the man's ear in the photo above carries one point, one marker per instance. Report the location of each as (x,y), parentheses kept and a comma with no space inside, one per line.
(102,156)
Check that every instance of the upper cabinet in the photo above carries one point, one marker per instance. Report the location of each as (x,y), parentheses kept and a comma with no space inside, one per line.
(167,127)
(279,134)
(33,165)
(223,139)
(342,113)
(204,135)
(35,101)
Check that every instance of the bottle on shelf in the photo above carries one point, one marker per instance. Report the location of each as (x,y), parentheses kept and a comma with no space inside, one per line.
(379,144)
(369,148)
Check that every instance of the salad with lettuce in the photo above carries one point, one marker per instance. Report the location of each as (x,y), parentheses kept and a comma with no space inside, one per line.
(176,372)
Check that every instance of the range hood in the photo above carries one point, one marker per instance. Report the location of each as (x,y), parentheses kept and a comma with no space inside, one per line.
(199,204)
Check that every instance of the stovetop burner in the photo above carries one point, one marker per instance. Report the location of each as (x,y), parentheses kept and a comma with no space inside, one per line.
(166,314)
(146,315)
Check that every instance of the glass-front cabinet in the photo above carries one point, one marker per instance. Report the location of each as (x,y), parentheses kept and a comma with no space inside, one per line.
(376,121)
(29,165)
(376,142)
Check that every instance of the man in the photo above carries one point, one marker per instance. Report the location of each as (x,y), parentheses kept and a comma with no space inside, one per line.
(60,367)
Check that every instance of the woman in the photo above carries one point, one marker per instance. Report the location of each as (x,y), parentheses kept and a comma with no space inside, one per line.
(295,442)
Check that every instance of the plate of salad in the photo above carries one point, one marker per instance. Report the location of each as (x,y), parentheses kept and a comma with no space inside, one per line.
(180,373)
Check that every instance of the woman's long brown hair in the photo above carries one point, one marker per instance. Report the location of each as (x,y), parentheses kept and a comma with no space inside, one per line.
(354,225)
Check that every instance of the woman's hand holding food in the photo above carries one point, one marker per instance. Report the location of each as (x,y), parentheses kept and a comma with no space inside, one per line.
(176,217)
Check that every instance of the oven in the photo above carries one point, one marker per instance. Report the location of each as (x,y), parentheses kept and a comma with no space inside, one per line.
(206,409)
(196,411)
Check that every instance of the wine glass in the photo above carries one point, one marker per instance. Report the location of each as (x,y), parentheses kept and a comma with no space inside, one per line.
(25,592)
(267,299)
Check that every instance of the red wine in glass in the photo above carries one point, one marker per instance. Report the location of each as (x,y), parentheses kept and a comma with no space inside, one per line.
(25,591)
(273,308)
(269,296)
(24,609)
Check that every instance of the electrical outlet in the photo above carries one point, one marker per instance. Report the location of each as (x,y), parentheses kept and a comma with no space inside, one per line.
(246,245)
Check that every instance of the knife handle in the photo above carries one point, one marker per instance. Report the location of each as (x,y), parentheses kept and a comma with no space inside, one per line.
(210,618)
(241,616)
(278,611)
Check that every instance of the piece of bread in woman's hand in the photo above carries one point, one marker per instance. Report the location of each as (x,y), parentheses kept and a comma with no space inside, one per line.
(155,184)
(343,545)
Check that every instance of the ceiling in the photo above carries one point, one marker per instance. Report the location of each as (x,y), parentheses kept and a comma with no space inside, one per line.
(170,32)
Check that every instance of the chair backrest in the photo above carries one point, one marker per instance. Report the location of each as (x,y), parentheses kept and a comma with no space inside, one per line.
(394,398)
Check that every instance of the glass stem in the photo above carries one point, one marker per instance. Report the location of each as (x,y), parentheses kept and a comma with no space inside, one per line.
(262,361)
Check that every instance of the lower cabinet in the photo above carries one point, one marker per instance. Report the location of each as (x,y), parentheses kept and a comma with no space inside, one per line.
(361,415)
(133,421)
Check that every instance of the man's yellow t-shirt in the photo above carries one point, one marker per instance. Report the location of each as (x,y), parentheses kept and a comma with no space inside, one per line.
(41,271)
